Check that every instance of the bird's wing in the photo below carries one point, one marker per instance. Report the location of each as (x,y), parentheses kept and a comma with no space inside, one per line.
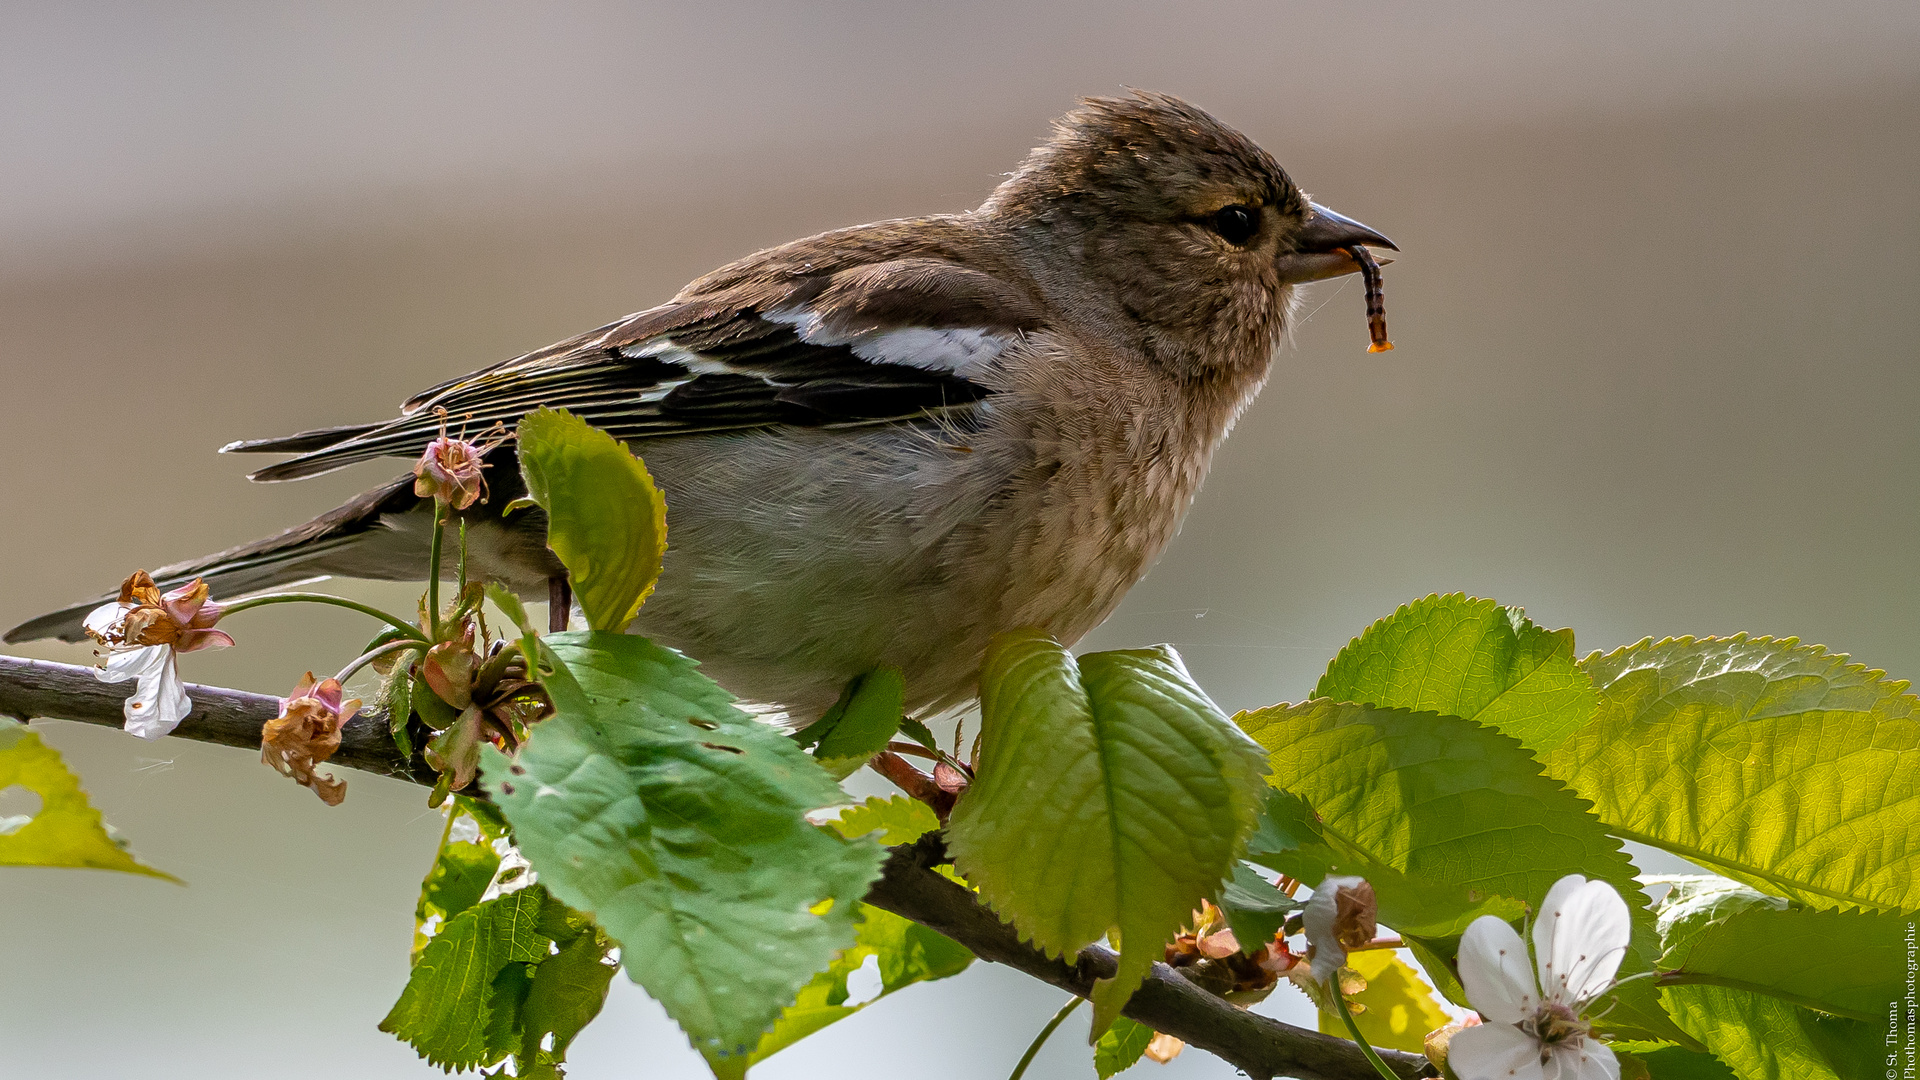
(870,344)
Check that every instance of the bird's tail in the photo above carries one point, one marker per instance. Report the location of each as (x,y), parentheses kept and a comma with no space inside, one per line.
(301,553)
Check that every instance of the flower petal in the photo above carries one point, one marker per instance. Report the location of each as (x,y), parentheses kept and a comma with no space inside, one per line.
(160,702)
(100,622)
(195,640)
(1329,954)
(1586,1059)
(136,663)
(1495,973)
(1579,939)
(1496,1052)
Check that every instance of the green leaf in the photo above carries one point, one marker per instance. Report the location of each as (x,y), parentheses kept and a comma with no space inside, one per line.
(677,820)
(499,979)
(1720,933)
(896,820)
(1764,1038)
(1120,1048)
(1774,763)
(564,995)
(1254,908)
(1287,839)
(1469,658)
(1111,794)
(905,953)
(1671,1062)
(448,1010)
(1400,1009)
(66,830)
(462,869)
(862,722)
(606,520)
(1448,820)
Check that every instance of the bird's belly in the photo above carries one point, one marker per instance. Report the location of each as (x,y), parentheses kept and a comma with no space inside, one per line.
(799,559)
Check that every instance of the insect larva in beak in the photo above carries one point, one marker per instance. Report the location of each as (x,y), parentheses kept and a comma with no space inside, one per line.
(1376,298)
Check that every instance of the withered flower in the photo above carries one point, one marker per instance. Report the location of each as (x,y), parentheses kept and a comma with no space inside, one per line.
(1163,1047)
(306,733)
(1209,954)
(137,637)
(1340,916)
(449,471)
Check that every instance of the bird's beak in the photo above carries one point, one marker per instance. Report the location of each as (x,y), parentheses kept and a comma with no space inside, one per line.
(1319,247)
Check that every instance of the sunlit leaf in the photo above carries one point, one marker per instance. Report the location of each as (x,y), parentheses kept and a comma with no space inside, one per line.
(1850,963)
(1448,820)
(66,830)
(1120,1048)
(1666,1061)
(1774,763)
(606,520)
(892,820)
(1763,1038)
(1470,658)
(1400,1008)
(1111,794)
(678,822)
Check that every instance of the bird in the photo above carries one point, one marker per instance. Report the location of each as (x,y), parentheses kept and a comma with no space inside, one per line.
(887,444)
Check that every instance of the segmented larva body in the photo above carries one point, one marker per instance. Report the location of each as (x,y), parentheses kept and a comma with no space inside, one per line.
(1376,298)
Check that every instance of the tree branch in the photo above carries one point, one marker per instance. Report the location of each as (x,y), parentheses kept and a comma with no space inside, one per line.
(1167,1002)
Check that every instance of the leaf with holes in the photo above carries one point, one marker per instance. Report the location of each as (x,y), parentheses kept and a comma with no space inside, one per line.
(606,521)
(678,822)
(1470,658)
(1448,820)
(902,952)
(1111,794)
(66,830)
(1774,763)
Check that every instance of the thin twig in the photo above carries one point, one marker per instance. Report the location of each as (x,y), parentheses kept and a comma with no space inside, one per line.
(1040,1040)
(915,783)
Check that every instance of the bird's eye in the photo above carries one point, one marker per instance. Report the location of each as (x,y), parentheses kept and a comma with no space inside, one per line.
(1236,224)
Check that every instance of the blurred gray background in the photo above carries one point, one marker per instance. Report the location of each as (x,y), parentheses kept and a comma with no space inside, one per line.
(1656,374)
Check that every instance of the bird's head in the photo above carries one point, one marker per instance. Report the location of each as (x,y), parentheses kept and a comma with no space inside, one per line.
(1191,234)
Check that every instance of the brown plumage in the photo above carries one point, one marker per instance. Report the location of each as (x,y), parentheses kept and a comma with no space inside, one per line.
(888,443)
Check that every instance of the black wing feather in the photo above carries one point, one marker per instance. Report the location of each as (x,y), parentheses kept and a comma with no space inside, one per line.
(725,372)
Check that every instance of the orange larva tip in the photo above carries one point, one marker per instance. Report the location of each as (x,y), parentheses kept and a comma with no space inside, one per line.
(1380,346)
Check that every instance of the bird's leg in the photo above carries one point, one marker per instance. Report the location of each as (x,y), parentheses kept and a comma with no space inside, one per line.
(559,603)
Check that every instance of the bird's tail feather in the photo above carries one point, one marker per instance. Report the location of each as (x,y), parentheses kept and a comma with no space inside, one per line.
(302,553)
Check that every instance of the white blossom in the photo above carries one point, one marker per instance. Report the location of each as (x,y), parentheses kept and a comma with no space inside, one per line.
(1536,1028)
